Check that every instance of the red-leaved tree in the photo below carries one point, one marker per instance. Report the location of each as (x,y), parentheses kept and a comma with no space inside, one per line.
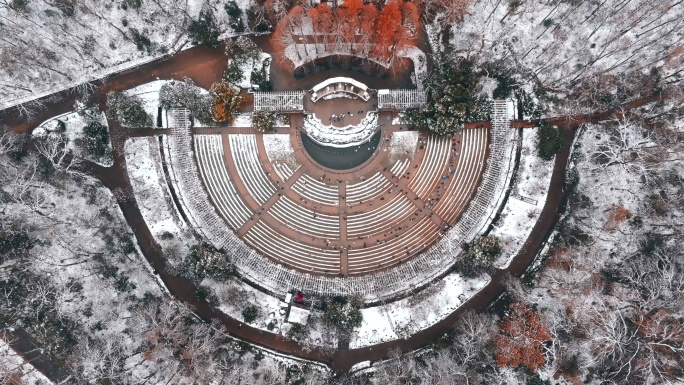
(521,338)
(349,21)
(388,31)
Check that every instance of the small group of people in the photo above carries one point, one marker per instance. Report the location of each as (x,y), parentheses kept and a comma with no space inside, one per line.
(337,118)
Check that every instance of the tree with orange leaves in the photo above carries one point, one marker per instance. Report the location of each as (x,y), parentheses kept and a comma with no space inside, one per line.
(411,17)
(322,19)
(226,102)
(323,22)
(349,21)
(367,21)
(390,33)
(521,338)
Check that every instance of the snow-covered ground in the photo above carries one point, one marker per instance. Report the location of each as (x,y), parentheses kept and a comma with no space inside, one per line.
(149,94)
(403,145)
(21,371)
(564,43)
(234,296)
(74,123)
(347,136)
(144,167)
(403,318)
(281,154)
(242,120)
(92,40)
(526,200)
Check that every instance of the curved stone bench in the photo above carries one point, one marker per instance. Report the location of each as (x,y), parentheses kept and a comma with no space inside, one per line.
(340,85)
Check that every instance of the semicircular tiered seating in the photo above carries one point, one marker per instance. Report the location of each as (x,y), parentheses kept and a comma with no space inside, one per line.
(355,223)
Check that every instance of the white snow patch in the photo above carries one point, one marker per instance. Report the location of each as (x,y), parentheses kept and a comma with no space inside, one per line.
(74,123)
(281,154)
(526,200)
(12,362)
(403,145)
(405,317)
(143,163)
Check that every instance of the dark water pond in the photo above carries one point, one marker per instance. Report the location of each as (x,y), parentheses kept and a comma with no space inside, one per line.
(341,158)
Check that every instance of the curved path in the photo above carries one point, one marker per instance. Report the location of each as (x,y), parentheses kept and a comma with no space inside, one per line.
(204,66)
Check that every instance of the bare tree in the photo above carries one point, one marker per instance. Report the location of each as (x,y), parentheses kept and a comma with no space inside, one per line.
(54,148)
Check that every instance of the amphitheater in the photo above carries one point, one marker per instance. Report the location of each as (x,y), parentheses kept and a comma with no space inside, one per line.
(391,222)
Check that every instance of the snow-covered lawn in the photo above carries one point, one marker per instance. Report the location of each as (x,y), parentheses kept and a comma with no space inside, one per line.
(247,67)
(234,296)
(403,318)
(74,123)
(143,163)
(526,200)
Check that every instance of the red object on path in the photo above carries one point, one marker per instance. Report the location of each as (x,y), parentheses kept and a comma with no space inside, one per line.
(299,297)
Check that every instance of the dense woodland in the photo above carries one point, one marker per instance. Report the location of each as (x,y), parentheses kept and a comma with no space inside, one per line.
(602,304)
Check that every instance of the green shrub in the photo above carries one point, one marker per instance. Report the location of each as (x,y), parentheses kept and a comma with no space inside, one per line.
(141,41)
(205,261)
(205,294)
(550,141)
(126,244)
(124,285)
(128,110)
(344,313)
(234,16)
(19,4)
(136,4)
(250,313)
(68,7)
(297,332)
(263,120)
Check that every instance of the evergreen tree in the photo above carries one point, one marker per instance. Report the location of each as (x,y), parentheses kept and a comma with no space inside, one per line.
(95,142)
(453,100)
(204,30)
(128,110)
(234,16)
(550,141)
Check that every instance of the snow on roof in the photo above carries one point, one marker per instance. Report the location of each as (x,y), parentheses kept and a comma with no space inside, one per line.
(298,315)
